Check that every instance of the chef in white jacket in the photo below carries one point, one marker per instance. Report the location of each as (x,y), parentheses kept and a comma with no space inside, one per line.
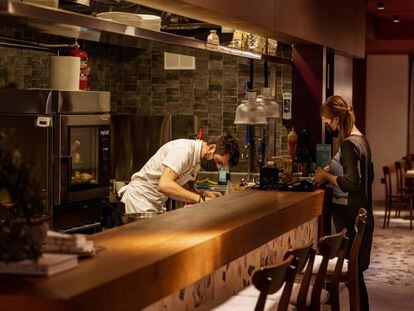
(168,171)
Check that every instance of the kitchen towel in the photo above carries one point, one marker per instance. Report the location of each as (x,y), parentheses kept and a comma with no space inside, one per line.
(64,72)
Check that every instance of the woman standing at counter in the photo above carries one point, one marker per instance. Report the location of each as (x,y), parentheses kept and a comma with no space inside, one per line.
(357,178)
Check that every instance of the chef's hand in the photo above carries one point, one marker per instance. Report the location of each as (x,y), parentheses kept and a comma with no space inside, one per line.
(321,176)
(212,194)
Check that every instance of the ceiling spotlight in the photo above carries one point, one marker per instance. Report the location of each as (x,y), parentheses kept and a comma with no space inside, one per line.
(396,19)
(381,5)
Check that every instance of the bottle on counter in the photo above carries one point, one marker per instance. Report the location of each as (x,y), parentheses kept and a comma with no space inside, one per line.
(222,180)
(292,141)
(227,174)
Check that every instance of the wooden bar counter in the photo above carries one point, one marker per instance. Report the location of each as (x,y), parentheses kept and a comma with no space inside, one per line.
(148,260)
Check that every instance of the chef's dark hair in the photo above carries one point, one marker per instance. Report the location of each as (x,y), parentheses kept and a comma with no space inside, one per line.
(227,144)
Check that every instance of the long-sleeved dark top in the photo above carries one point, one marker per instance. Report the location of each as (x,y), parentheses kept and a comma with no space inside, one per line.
(357,181)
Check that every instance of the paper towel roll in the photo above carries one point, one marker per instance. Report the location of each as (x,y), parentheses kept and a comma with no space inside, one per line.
(64,72)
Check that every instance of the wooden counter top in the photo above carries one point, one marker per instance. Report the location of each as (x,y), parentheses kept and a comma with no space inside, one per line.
(151,259)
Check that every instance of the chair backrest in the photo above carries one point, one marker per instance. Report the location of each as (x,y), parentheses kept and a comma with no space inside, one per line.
(269,280)
(329,247)
(305,256)
(337,273)
(409,159)
(399,174)
(387,180)
(353,267)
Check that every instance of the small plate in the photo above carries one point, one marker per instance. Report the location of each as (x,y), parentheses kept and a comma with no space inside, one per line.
(97,249)
(150,18)
(125,18)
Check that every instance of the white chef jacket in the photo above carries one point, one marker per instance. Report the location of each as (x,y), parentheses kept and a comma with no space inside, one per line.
(183,156)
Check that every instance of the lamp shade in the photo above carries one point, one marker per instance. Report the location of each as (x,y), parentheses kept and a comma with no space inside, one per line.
(250,111)
(271,106)
(241,114)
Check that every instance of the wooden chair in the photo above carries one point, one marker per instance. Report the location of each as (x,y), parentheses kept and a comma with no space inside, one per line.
(304,296)
(307,297)
(390,198)
(300,292)
(305,258)
(348,271)
(403,192)
(351,276)
(267,280)
(409,160)
(395,199)
(299,297)
(329,247)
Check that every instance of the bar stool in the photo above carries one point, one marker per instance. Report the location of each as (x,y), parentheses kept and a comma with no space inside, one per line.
(348,272)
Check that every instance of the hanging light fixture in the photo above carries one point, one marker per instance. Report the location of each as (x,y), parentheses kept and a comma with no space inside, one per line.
(241,113)
(250,111)
(396,19)
(381,5)
(271,106)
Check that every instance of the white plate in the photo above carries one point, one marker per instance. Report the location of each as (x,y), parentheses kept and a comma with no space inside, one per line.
(129,19)
(150,18)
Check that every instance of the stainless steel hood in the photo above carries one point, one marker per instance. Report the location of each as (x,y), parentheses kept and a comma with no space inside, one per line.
(73,25)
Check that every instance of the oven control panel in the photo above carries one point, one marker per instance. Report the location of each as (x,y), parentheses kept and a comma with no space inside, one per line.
(105,157)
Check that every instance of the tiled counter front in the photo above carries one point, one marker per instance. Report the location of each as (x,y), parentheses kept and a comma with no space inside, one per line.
(230,279)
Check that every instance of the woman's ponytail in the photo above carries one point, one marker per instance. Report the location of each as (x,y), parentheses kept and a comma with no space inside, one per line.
(336,106)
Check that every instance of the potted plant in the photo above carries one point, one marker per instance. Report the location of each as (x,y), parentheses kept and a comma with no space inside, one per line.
(22,228)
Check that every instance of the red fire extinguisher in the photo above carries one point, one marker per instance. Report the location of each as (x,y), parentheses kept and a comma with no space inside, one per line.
(84,67)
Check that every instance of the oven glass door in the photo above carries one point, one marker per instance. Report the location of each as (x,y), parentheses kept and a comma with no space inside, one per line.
(84,153)
(84,165)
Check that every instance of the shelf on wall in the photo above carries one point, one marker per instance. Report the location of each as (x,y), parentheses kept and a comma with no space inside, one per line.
(73,25)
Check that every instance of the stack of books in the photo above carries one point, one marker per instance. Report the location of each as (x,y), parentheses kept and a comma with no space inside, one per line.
(57,242)
(46,265)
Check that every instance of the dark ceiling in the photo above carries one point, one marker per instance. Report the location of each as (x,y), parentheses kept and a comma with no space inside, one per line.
(386,28)
(388,36)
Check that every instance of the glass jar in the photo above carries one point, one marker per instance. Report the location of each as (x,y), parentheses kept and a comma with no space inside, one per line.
(278,162)
(287,165)
(213,37)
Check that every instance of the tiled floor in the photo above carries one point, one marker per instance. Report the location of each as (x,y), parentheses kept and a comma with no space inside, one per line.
(390,277)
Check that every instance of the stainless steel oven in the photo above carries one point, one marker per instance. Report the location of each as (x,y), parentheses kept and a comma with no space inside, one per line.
(67,136)
(83,169)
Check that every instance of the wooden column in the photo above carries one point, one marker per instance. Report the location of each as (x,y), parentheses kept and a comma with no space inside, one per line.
(307,91)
